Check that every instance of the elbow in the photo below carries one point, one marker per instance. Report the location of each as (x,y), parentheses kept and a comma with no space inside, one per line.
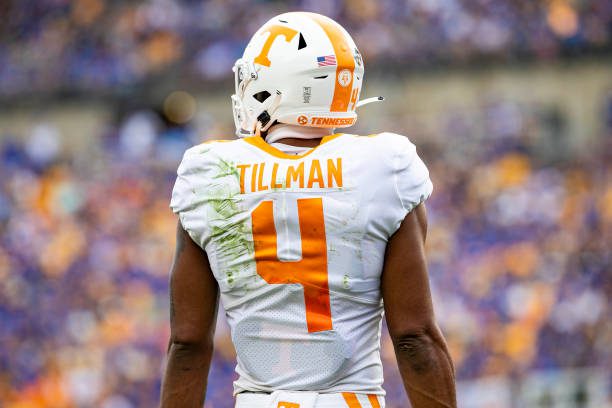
(419,349)
(191,346)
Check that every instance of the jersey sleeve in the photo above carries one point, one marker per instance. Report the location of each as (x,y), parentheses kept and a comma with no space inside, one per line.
(187,194)
(412,180)
(409,183)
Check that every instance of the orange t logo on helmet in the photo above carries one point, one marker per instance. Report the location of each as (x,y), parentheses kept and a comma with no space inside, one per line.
(275,31)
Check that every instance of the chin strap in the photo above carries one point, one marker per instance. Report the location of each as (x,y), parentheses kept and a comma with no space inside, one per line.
(369,100)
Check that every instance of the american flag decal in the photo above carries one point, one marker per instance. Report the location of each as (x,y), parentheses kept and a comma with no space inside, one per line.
(326,60)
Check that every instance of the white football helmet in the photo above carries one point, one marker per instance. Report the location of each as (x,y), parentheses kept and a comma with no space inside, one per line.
(300,69)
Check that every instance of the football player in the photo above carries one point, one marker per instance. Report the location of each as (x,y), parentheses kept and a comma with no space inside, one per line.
(306,235)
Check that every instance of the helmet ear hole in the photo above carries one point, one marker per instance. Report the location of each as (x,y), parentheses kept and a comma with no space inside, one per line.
(302,42)
(261,96)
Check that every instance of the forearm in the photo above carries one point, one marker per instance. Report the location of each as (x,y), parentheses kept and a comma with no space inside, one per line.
(426,369)
(184,384)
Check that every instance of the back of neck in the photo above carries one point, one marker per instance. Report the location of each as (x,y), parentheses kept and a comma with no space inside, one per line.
(296,135)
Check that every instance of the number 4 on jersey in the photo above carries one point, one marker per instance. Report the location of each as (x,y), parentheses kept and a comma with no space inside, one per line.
(310,271)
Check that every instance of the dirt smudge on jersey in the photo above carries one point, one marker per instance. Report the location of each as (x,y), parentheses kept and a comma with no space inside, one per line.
(229,224)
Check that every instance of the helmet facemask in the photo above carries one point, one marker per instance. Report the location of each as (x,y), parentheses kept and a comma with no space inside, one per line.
(249,121)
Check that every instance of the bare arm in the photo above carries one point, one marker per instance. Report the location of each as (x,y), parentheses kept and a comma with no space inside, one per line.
(420,348)
(193,312)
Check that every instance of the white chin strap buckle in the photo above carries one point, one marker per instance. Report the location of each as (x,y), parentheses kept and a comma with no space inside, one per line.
(369,100)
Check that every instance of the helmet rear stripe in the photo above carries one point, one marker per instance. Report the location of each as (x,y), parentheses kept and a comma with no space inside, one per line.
(344,57)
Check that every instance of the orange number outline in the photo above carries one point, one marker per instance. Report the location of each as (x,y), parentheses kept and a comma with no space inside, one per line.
(310,271)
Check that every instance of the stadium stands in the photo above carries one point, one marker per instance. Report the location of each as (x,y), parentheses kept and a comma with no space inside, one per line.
(83,45)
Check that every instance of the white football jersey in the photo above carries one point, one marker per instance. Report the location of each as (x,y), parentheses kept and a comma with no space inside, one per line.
(296,243)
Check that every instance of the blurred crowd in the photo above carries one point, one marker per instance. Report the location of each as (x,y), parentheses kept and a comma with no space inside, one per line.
(67,45)
(518,249)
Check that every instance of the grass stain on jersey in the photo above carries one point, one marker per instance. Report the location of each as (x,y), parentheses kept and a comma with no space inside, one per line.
(236,249)
(346,281)
(233,240)
(226,168)
(225,207)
